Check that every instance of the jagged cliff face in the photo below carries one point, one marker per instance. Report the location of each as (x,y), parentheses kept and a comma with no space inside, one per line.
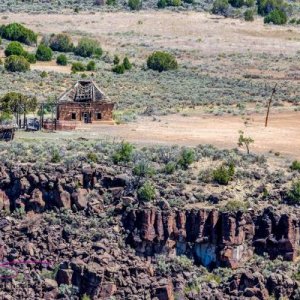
(211,237)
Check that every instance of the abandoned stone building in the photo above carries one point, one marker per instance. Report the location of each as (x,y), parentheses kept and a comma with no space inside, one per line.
(84,103)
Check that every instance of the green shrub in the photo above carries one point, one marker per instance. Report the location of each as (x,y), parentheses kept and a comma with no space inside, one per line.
(116,60)
(62,60)
(236,3)
(250,3)
(30,57)
(294,193)
(43,53)
(249,15)
(77,67)
(174,2)
(235,206)
(124,153)
(162,3)
(161,61)
(142,169)
(146,192)
(170,167)
(266,6)
(277,17)
(55,157)
(223,174)
(220,7)
(17,32)
(135,4)
(61,42)
(126,63)
(111,2)
(92,157)
(187,157)
(295,165)
(14,48)
(91,66)
(119,69)
(87,47)
(16,63)
(44,74)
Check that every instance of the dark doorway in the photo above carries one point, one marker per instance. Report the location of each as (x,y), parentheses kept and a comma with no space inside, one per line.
(86,118)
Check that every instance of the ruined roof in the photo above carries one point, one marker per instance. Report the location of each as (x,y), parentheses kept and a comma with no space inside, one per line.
(84,91)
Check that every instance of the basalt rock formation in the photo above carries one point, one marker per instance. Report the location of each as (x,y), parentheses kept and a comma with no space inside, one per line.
(211,237)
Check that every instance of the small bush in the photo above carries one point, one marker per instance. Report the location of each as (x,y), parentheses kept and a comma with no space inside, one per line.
(277,17)
(161,61)
(142,169)
(187,157)
(294,193)
(55,157)
(135,4)
(43,53)
(124,153)
(30,57)
(236,3)
(249,15)
(146,192)
(62,60)
(77,67)
(91,66)
(61,42)
(16,63)
(119,69)
(174,3)
(235,206)
(295,165)
(17,32)
(223,174)
(162,3)
(220,7)
(14,48)
(87,48)
(116,60)
(126,63)
(92,157)
(170,167)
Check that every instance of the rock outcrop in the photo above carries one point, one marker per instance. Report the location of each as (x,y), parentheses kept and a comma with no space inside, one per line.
(211,237)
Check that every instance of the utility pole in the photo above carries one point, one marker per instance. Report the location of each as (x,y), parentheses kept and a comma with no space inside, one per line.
(269,105)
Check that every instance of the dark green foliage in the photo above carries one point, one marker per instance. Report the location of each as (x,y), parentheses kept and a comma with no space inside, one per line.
(111,2)
(146,192)
(91,66)
(78,67)
(174,2)
(16,63)
(267,6)
(87,48)
(62,60)
(162,3)
(30,57)
(14,48)
(162,61)
(124,153)
(236,3)
(189,1)
(277,17)
(17,32)
(187,157)
(220,7)
(43,53)
(119,69)
(44,74)
(223,174)
(250,3)
(294,193)
(116,60)
(55,157)
(16,102)
(126,63)
(249,15)
(135,4)
(295,165)
(61,42)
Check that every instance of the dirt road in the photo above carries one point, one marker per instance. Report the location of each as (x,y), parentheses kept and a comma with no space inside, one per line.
(282,135)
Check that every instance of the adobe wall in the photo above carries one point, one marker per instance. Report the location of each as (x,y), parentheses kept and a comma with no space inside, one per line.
(65,111)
